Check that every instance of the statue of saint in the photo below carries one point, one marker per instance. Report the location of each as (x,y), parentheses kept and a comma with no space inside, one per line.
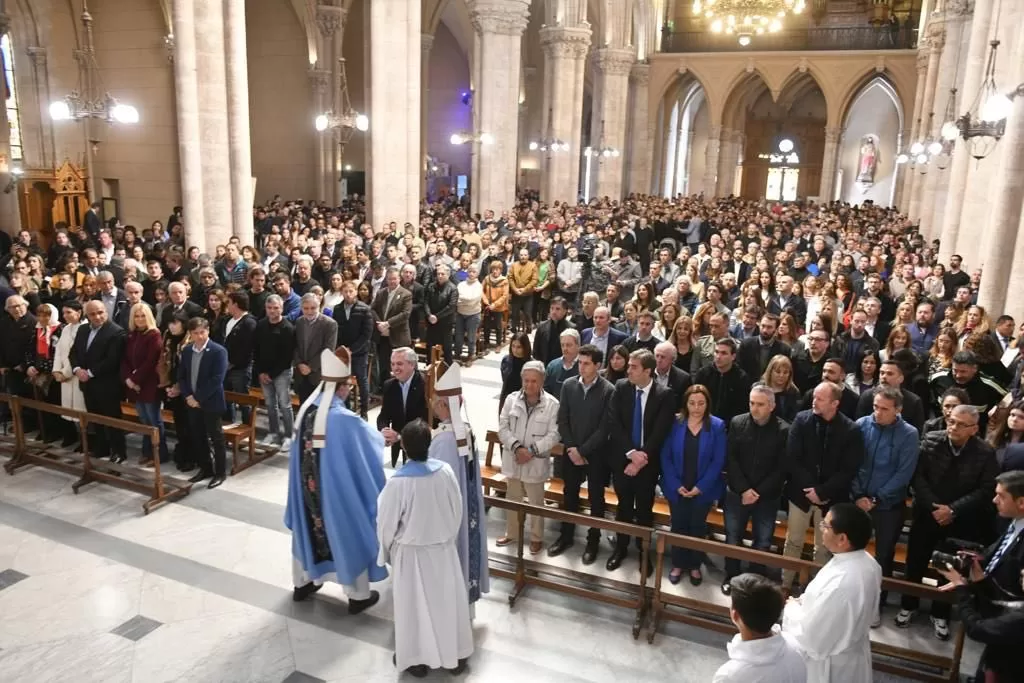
(868,160)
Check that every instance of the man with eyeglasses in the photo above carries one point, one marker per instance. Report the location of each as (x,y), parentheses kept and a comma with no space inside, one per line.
(953,486)
(809,362)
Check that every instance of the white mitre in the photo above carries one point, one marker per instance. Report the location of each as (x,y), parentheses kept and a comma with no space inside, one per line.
(449,387)
(335,367)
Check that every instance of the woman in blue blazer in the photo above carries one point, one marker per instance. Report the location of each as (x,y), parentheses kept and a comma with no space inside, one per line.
(692,461)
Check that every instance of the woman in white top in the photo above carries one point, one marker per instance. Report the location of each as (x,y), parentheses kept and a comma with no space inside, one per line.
(70,392)
(467,312)
(333,297)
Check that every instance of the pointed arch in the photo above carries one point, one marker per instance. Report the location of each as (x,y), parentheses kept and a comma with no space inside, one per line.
(868,77)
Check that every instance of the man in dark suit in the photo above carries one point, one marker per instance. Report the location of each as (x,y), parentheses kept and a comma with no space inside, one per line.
(546,344)
(404,399)
(201,373)
(666,374)
(418,292)
(93,222)
(602,334)
(755,352)
(239,336)
(178,295)
(391,308)
(90,263)
(133,294)
(440,301)
(96,361)
(114,299)
(785,301)
(355,330)
(639,418)
(1003,333)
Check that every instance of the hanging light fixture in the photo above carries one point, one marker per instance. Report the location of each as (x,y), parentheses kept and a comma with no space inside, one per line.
(746,18)
(348,121)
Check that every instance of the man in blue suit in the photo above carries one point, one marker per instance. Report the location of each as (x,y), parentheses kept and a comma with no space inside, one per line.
(602,334)
(201,380)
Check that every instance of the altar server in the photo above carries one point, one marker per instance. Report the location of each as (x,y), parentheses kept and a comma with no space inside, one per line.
(418,528)
(334,478)
(453,443)
(830,623)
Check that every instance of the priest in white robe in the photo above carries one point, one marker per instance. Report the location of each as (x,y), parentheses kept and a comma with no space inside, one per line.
(454,445)
(830,623)
(419,514)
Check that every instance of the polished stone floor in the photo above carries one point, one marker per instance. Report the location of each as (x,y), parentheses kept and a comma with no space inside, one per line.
(92,591)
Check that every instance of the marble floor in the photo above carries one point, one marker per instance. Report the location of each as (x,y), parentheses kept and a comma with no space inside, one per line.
(92,591)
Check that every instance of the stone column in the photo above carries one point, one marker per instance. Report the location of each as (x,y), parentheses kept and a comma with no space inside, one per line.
(973,73)
(426,44)
(1007,196)
(186,93)
(611,89)
(240,150)
(498,27)
(909,176)
(331,19)
(395,162)
(638,170)
(564,49)
(211,70)
(685,184)
(320,80)
(936,40)
(826,187)
(711,154)
(10,215)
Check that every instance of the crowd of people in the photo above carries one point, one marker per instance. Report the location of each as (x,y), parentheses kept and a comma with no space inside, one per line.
(759,356)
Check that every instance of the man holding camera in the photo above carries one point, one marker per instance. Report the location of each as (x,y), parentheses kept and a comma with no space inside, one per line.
(953,485)
(992,598)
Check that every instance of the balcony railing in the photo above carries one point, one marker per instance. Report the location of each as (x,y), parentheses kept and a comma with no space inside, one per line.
(832,38)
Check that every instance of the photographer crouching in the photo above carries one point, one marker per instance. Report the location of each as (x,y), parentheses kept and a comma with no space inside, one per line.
(991,596)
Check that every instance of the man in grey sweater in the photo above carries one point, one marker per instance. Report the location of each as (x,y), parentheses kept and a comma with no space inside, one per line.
(583,431)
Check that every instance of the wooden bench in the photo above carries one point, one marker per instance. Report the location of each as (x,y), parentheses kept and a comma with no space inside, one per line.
(554,491)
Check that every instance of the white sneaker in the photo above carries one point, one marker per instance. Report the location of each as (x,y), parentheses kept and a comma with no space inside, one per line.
(286,445)
(941,628)
(904,617)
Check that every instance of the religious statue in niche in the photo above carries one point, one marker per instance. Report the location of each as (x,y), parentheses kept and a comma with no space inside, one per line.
(868,159)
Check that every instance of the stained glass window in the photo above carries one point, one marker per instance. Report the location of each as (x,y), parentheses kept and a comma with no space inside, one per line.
(11,99)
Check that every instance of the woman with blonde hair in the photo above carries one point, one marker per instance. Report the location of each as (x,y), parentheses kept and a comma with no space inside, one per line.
(667,323)
(973,321)
(778,376)
(899,338)
(696,284)
(904,314)
(940,356)
(141,378)
(702,318)
(87,290)
(682,338)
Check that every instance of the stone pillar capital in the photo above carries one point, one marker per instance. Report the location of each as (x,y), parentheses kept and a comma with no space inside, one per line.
(330,19)
(320,79)
(505,17)
(559,41)
(715,133)
(426,42)
(959,8)
(936,34)
(614,62)
(640,74)
(922,61)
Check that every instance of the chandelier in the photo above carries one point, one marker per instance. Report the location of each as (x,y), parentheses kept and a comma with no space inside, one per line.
(348,120)
(746,18)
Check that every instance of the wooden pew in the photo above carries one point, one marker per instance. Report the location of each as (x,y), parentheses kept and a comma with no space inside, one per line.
(236,434)
(494,480)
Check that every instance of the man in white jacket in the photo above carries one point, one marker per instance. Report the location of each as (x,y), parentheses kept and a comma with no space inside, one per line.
(759,653)
(830,623)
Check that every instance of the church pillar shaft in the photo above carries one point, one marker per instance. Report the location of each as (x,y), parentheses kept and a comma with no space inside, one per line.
(711,154)
(240,150)
(498,26)
(612,67)
(638,171)
(564,48)
(973,70)
(936,39)
(395,54)
(186,90)
(426,44)
(826,188)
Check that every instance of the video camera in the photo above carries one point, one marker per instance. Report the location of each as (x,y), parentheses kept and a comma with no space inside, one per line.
(960,558)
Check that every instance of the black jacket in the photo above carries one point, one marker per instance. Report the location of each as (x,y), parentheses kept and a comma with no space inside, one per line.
(239,342)
(1000,629)
(756,455)
(440,300)
(273,347)
(581,417)
(658,416)
(102,359)
(355,330)
(190,308)
(965,482)
(678,381)
(730,392)
(546,344)
(17,338)
(913,407)
(749,355)
(396,415)
(830,466)
(847,403)
(807,372)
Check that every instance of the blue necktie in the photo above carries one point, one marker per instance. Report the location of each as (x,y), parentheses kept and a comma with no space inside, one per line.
(638,420)
(1001,550)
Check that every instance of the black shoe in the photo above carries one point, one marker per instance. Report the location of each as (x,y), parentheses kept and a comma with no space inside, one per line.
(418,671)
(216,481)
(459,668)
(560,546)
(590,552)
(727,587)
(357,606)
(696,580)
(118,458)
(199,476)
(302,592)
(615,561)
